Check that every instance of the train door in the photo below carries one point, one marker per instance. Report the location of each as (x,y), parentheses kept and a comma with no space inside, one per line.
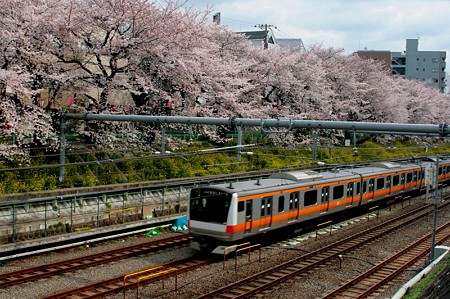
(266,212)
(371,186)
(415,178)
(388,185)
(350,193)
(248,216)
(422,176)
(402,181)
(294,199)
(358,194)
(325,199)
(409,180)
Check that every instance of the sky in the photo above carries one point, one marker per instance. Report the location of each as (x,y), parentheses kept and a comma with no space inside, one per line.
(349,24)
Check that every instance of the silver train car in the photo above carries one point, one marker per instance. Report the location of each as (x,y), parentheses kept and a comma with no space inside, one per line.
(225,214)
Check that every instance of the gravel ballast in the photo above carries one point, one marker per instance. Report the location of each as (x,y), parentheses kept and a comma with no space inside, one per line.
(313,284)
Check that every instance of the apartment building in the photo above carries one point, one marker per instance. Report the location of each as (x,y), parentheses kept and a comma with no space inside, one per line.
(426,66)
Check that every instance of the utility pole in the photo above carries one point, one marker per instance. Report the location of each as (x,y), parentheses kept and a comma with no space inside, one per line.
(216,18)
(437,200)
(266,28)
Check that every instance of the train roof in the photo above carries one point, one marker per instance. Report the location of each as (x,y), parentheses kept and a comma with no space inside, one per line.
(298,178)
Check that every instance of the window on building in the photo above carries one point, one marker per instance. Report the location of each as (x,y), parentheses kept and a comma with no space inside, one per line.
(435,60)
(433,70)
(424,60)
(423,69)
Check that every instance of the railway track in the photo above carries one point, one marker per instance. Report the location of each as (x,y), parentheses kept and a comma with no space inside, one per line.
(122,284)
(373,280)
(112,286)
(271,277)
(27,275)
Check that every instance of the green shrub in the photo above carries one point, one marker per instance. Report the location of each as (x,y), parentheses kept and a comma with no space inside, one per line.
(192,163)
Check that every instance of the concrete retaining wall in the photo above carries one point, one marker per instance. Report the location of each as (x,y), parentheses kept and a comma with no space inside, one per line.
(30,220)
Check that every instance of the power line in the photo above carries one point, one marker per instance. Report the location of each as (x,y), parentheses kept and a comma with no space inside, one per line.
(266,28)
(238,21)
(284,34)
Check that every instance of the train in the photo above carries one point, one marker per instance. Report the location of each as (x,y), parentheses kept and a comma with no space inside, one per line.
(225,214)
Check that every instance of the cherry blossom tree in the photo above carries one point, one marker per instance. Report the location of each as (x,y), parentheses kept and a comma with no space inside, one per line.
(138,56)
(24,122)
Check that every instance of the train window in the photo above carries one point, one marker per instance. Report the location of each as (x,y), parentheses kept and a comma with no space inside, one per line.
(280,204)
(310,198)
(395,180)
(388,182)
(440,170)
(402,179)
(241,206)
(380,183)
(266,206)
(409,177)
(248,209)
(263,207)
(415,176)
(365,189)
(293,201)
(350,189)
(338,192)
(325,194)
(371,185)
(358,188)
(209,205)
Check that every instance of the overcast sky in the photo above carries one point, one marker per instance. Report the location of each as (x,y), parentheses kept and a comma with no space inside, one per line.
(350,24)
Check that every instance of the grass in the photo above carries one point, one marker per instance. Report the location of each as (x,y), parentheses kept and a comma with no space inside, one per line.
(419,288)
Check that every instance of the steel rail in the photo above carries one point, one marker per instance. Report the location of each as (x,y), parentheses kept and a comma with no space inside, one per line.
(377,277)
(268,278)
(115,285)
(27,275)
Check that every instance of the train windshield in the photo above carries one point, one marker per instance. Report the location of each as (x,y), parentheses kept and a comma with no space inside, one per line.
(209,205)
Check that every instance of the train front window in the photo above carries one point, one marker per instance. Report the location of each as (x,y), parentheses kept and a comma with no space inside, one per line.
(209,205)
